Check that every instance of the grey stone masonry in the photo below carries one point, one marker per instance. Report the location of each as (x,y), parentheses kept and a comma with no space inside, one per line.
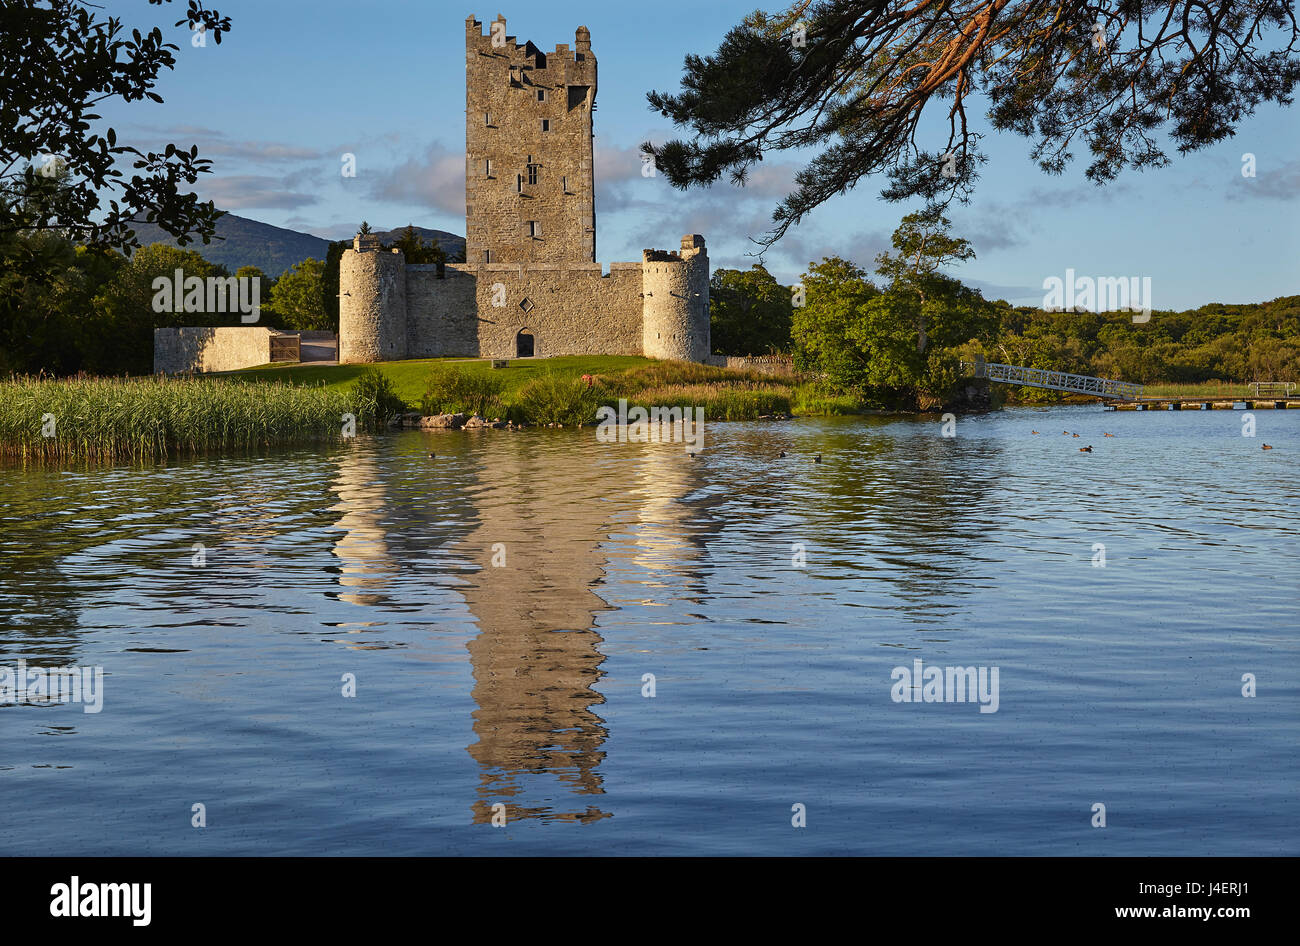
(530,285)
(225,348)
(529,185)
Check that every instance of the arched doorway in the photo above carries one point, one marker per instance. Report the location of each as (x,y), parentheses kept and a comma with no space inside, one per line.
(524,344)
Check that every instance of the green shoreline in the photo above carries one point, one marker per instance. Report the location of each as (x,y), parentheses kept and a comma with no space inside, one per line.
(279,405)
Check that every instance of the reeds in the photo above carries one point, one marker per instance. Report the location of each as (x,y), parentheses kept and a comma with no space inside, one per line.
(719,401)
(152,418)
(553,398)
(660,373)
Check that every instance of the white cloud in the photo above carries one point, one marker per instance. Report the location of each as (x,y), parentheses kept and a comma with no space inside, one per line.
(240,191)
(434,179)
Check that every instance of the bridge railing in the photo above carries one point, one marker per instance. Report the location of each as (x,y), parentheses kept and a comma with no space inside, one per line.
(1054,380)
(1272,388)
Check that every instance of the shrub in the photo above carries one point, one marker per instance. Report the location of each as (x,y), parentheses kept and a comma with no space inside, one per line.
(810,400)
(554,399)
(450,390)
(374,399)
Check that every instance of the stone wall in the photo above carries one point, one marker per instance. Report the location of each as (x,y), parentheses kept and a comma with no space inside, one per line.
(210,349)
(766,364)
(568,309)
(441,314)
(480,310)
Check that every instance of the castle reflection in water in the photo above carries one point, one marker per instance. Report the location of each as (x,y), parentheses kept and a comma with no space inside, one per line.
(557,518)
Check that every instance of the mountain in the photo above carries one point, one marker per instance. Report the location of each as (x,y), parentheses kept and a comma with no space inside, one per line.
(274,249)
(452,245)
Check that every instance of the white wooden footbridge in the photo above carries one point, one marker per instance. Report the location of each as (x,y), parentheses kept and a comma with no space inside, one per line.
(1126,396)
(1054,380)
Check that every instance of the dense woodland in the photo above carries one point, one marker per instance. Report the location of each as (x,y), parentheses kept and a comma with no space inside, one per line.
(1250,342)
(66,308)
(752,314)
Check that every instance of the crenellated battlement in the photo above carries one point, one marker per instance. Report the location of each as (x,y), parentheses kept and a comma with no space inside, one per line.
(495,42)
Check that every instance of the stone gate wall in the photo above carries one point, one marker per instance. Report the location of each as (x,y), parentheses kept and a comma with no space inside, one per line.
(210,348)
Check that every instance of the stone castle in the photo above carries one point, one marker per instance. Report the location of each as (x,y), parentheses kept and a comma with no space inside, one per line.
(530,285)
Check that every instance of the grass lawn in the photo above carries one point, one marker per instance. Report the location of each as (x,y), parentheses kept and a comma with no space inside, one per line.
(409,377)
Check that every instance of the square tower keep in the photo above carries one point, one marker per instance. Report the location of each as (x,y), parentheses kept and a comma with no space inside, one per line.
(529,186)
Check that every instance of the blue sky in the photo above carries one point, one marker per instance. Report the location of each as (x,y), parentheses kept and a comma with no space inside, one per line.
(297,84)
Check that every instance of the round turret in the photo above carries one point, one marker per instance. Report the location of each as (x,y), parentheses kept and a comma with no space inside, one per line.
(675,303)
(372,303)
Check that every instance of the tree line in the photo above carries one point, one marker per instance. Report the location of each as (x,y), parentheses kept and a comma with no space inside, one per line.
(67,307)
(897,337)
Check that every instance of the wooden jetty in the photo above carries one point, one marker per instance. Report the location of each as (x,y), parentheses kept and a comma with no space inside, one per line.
(1202,402)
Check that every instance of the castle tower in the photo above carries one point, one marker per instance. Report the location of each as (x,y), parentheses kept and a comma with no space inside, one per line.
(372,302)
(675,304)
(529,187)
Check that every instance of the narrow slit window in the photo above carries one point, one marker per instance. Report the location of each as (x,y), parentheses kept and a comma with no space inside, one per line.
(534,229)
(541,95)
(546,124)
(487,167)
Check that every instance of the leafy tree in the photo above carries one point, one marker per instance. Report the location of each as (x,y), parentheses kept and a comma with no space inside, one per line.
(923,245)
(834,289)
(1274,358)
(329,283)
(855,78)
(296,297)
(267,317)
(123,315)
(883,335)
(897,345)
(47,287)
(58,60)
(749,312)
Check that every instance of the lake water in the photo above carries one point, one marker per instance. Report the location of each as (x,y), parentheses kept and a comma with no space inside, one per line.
(521,684)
